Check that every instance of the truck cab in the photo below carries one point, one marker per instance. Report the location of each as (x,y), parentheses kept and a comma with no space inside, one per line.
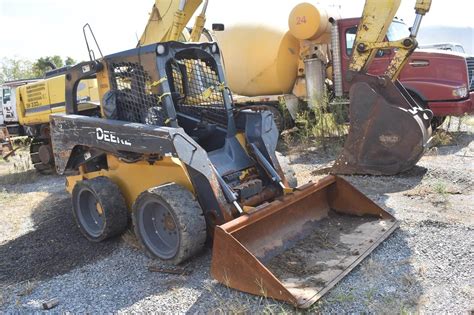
(445,46)
(439,80)
(8,105)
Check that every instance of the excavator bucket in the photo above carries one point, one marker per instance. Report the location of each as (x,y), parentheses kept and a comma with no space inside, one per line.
(389,131)
(297,248)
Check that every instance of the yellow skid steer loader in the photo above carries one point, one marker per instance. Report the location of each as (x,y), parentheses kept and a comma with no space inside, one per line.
(170,151)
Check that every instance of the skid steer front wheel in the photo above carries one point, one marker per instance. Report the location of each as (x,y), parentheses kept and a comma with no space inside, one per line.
(169,223)
(99,208)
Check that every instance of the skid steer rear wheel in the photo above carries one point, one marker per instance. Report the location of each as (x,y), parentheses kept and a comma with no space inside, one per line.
(99,208)
(169,223)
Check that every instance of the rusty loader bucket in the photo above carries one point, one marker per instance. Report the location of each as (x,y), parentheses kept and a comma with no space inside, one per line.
(388,132)
(297,248)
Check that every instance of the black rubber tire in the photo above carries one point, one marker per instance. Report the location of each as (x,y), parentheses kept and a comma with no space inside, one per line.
(187,232)
(44,169)
(288,170)
(104,192)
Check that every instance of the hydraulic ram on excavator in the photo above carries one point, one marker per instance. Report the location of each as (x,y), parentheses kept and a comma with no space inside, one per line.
(389,131)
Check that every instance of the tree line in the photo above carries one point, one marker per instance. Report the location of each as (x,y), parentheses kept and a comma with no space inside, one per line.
(18,68)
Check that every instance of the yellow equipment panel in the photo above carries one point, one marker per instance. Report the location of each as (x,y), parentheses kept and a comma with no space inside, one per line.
(36,101)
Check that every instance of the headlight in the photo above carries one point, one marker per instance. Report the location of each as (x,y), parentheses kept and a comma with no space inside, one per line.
(460,92)
(160,49)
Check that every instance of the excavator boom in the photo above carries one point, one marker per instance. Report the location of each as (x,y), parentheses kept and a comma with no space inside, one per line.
(168,20)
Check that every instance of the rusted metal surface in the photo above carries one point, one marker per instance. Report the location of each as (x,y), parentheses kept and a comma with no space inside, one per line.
(6,147)
(388,132)
(298,247)
(267,194)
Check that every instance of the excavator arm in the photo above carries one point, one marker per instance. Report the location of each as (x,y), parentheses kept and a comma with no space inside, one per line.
(389,132)
(169,18)
(376,19)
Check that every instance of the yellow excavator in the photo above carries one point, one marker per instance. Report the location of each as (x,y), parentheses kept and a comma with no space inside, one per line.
(169,149)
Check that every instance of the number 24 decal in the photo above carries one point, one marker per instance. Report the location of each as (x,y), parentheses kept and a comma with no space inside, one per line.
(300,20)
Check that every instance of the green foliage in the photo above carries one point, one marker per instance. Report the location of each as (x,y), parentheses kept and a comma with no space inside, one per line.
(15,69)
(69,61)
(44,64)
(322,120)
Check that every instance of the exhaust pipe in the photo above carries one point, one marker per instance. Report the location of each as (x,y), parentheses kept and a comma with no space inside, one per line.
(336,58)
(315,81)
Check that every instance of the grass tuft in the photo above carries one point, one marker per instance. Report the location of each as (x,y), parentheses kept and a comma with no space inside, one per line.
(20,170)
(442,138)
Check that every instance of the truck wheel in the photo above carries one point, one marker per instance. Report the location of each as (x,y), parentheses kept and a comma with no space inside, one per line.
(169,223)
(288,170)
(99,208)
(41,155)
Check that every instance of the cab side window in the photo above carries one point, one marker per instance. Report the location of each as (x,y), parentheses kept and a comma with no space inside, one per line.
(350,39)
(6,95)
(351,34)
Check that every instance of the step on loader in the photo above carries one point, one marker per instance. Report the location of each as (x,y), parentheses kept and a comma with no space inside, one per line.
(170,151)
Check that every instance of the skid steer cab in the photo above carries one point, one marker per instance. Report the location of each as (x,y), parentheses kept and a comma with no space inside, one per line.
(171,152)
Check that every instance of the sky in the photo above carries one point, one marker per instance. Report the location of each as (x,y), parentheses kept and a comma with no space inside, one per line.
(34,28)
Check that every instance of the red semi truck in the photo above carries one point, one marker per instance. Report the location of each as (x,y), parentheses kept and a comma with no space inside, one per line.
(442,81)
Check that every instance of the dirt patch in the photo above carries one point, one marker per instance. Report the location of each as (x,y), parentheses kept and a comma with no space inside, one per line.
(331,247)
(39,236)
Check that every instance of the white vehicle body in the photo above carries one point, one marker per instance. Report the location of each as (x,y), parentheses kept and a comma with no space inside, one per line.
(8,109)
(445,46)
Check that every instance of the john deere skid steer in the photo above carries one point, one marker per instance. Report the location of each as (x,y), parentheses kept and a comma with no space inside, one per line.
(171,152)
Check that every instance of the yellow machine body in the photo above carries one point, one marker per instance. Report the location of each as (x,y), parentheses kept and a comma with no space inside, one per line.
(259,62)
(265,58)
(308,22)
(130,176)
(36,101)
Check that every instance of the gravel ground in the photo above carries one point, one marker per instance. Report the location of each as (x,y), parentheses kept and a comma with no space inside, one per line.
(426,266)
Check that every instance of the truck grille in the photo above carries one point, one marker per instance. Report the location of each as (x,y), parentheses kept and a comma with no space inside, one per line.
(470,72)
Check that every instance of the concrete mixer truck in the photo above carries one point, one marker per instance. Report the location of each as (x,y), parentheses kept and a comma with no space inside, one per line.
(267,60)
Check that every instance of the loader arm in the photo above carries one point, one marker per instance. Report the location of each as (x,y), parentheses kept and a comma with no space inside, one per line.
(376,19)
(168,19)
